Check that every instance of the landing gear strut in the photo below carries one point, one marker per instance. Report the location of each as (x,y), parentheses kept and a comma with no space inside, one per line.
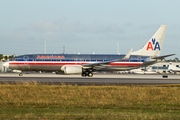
(83,74)
(89,74)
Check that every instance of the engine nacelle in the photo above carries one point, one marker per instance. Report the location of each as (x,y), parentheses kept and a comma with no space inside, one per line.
(16,71)
(72,69)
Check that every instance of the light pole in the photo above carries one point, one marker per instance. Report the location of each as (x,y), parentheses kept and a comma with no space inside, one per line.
(63,49)
(117,48)
(45,47)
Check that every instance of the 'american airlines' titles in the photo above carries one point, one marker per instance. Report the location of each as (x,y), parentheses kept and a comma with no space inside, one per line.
(50,57)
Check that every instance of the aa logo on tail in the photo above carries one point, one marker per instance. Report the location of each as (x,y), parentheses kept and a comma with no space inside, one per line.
(153,45)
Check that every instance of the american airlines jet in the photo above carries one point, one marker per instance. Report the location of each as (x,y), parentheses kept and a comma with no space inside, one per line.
(86,64)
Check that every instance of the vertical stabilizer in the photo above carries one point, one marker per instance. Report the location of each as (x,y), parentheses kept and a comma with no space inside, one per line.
(154,46)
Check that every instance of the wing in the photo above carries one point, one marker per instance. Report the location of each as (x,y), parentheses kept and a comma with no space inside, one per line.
(107,62)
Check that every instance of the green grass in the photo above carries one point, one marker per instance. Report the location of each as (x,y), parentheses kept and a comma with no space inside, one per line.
(27,101)
(85,113)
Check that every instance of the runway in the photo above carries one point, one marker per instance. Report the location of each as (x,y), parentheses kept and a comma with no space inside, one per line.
(103,79)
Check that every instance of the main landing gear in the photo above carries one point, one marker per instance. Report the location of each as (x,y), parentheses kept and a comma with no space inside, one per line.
(89,74)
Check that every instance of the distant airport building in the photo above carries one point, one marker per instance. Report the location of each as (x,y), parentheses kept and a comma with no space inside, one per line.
(162,67)
(2,68)
(2,60)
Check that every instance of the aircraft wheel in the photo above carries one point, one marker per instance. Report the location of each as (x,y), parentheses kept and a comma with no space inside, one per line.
(83,74)
(20,74)
(90,74)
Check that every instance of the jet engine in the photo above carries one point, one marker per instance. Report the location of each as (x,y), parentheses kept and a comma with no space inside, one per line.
(72,69)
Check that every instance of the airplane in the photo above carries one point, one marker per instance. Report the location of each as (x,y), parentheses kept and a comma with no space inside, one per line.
(143,71)
(87,64)
(173,68)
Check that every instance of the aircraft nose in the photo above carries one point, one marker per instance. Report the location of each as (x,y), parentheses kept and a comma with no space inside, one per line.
(6,64)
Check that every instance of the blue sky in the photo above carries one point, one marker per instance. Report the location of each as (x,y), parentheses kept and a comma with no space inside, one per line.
(86,26)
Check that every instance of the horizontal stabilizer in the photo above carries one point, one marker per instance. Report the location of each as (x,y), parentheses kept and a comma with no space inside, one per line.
(161,57)
(146,63)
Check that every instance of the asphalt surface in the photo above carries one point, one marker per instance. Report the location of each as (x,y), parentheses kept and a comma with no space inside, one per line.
(113,79)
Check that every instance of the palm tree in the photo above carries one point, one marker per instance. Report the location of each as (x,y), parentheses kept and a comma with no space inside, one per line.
(11,56)
(176,59)
(5,57)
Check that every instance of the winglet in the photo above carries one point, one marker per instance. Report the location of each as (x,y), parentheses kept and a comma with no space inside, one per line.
(127,55)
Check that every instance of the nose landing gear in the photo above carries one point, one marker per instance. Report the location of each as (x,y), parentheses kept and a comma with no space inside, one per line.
(20,74)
